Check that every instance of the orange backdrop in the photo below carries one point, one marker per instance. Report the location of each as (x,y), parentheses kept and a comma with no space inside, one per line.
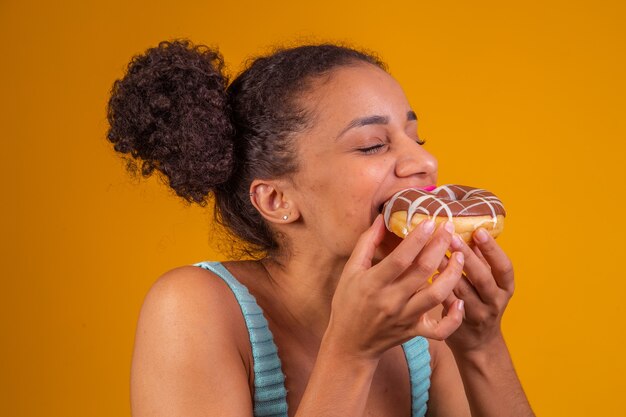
(525,99)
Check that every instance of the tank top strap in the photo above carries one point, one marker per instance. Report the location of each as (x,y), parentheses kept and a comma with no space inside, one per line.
(270,395)
(418,358)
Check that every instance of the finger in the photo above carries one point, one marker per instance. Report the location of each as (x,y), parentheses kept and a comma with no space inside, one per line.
(451,298)
(473,303)
(443,263)
(438,291)
(430,258)
(403,256)
(441,329)
(365,247)
(426,262)
(501,265)
(478,274)
(443,304)
(479,254)
(467,293)
(448,303)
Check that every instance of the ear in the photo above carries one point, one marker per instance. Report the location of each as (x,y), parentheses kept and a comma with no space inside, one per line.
(271,200)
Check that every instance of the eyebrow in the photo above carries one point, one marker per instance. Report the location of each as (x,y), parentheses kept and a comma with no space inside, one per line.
(373,120)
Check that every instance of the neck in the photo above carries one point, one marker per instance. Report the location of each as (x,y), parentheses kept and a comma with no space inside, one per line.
(305,285)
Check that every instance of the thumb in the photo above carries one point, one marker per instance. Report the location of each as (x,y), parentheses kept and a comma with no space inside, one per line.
(365,248)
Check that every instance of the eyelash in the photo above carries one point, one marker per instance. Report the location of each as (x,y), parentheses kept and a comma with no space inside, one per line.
(373,149)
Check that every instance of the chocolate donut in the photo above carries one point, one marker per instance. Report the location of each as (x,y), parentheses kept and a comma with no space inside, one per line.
(467,207)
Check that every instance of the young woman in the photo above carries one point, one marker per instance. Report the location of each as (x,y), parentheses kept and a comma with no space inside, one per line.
(337,317)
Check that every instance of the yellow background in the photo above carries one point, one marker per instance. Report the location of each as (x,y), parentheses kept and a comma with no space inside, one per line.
(525,99)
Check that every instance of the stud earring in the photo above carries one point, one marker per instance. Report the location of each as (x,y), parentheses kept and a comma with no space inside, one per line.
(285,217)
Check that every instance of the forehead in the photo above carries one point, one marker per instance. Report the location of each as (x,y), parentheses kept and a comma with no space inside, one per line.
(355,91)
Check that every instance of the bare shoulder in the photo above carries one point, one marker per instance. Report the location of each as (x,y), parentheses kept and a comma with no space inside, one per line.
(191,353)
(186,276)
(190,291)
(190,298)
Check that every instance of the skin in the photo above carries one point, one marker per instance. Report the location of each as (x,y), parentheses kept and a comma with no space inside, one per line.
(344,293)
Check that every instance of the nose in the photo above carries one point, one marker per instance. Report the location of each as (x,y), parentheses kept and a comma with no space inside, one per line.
(414,160)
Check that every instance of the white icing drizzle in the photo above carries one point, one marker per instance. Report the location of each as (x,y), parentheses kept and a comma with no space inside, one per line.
(413,207)
(446,188)
(477,225)
(389,205)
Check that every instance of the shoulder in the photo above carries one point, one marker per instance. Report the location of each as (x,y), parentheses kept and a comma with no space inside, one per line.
(184,278)
(190,299)
(190,296)
(190,334)
(180,286)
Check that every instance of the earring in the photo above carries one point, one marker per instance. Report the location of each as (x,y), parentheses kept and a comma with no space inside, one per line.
(285,217)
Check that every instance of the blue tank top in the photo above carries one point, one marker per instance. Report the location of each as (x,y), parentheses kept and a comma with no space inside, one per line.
(270,395)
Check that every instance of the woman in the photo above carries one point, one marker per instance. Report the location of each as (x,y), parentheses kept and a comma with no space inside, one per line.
(337,317)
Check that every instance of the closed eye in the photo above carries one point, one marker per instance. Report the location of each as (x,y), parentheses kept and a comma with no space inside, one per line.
(371,149)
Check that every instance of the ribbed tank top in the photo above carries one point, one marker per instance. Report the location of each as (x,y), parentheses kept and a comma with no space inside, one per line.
(270,395)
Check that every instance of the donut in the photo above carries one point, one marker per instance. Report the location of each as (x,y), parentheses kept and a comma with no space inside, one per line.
(467,207)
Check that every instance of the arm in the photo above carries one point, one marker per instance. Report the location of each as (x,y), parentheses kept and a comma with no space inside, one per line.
(484,364)
(190,355)
(446,394)
(489,382)
(492,386)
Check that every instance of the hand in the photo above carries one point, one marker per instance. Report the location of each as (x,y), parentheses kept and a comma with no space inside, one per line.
(486,288)
(376,307)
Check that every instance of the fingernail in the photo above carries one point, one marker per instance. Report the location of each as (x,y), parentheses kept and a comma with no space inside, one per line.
(428,226)
(457,242)
(458,256)
(449,226)
(481,235)
(460,305)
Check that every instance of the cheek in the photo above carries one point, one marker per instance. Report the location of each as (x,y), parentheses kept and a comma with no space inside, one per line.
(340,212)
(353,213)
(357,190)
(341,196)
(357,205)
(376,173)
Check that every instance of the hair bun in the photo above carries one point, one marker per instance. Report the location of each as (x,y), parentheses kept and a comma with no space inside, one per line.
(170,112)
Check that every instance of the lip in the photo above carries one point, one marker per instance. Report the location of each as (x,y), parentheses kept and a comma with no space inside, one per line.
(429,188)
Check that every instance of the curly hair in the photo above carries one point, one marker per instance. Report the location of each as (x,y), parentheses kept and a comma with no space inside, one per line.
(175,111)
